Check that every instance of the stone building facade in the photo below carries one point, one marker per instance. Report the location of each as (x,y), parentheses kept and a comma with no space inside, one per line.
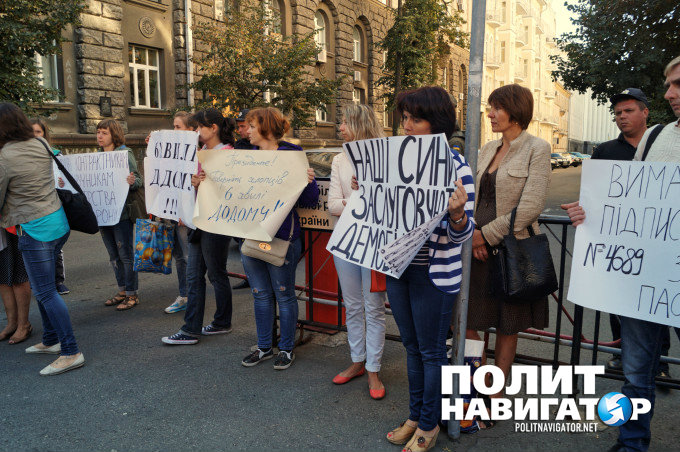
(131,60)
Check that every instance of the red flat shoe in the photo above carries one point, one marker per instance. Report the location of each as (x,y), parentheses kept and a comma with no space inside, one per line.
(377,394)
(338,380)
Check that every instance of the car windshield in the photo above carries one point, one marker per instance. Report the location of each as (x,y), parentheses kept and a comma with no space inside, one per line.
(555,155)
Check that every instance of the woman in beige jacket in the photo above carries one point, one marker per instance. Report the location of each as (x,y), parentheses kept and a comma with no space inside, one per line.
(513,172)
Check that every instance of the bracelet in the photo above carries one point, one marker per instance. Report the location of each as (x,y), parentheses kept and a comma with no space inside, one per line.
(458,221)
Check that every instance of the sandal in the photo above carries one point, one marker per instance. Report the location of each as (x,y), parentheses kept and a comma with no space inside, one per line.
(130,302)
(15,340)
(421,443)
(486,423)
(401,434)
(7,335)
(116,299)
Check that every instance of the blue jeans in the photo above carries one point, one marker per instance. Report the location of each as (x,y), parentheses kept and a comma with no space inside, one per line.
(209,255)
(40,258)
(270,285)
(423,315)
(180,251)
(118,241)
(640,351)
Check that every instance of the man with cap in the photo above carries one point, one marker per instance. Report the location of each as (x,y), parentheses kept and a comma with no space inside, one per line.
(243,131)
(630,113)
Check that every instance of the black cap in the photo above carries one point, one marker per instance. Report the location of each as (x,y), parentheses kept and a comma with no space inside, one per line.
(242,115)
(629,93)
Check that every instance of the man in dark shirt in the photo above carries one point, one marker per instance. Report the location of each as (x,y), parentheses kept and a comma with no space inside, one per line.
(243,126)
(630,112)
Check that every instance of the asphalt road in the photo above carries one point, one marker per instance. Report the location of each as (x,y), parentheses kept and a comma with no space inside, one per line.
(136,394)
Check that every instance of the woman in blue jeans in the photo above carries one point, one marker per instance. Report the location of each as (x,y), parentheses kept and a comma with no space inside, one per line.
(118,238)
(29,201)
(271,284)
(208,252)
(422,298)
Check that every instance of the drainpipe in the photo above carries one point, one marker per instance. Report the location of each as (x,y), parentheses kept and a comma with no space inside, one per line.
(189,50)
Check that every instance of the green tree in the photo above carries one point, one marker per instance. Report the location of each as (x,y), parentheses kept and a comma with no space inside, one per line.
(248,64)
(29,28)
(619,44)
(419,42)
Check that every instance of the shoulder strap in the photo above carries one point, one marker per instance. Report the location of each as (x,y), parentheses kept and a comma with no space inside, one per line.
(650,140)
(292,224)
(63,169)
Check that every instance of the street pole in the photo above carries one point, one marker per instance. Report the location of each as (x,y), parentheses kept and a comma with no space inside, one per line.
(472,138)
(397,83)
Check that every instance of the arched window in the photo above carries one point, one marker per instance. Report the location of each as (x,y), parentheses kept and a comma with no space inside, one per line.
(277,16)
(320,30)
(358,39)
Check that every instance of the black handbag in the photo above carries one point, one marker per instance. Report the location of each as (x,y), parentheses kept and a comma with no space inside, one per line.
(522,270)
(78,209)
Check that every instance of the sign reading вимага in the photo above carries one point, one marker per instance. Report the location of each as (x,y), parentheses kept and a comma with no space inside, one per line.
(627,252)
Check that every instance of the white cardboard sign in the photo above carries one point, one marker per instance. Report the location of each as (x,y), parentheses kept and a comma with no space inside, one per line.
(627,252)
(404,183)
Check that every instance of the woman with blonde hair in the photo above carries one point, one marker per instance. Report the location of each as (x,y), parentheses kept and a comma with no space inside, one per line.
(364,310)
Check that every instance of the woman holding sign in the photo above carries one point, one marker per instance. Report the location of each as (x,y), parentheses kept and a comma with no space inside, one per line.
(365,310)
(208,252)
(118,238)
(513,172)
(29,201)
(422,298)
(271,284)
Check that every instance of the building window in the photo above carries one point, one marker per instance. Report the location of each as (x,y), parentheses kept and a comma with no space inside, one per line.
(321,114)
(49,73)
(358,96)
(357,38)
(145,88)
(320,29)
(274,8)
(445,78)
(502,51)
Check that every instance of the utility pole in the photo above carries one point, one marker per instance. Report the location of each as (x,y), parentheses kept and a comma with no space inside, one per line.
(397,81)
(472,138)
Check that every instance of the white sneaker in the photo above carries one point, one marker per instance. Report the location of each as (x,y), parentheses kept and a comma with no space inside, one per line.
(180,304)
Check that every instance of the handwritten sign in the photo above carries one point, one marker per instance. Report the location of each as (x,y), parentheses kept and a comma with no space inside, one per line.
(103,178)
(248,193)
(404,182)
(169,164)
(627,252)
(318,218)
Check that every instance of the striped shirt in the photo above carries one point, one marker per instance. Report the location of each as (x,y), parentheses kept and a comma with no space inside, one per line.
(445,243)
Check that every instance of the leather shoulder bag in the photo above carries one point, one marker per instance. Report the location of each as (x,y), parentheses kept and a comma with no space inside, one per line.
(522,271)
(273,252)
(78,209)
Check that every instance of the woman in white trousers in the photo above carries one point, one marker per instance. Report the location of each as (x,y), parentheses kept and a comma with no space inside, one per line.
(364,310)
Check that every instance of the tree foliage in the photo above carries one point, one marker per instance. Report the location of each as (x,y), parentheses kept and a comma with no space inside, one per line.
(30,27)
(620,44)
(249,65)
(420,38)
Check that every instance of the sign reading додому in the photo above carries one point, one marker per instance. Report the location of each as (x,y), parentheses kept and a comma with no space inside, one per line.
(248,193)
(627,252)
(404,184)
(103,178)
(169,164)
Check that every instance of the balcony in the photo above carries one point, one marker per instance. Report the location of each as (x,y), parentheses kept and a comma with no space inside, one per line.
(550,93)
(540,27)
(523,8)
(522,39)
(492,60)
(521,76)
(550,41)
(494,19)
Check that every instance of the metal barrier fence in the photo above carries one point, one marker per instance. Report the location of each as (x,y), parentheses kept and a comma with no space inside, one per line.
(577,342)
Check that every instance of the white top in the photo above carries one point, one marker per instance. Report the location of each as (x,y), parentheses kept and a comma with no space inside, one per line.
(341,184)
(666,147)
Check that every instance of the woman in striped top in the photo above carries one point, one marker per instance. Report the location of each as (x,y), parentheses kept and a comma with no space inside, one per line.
(422,298)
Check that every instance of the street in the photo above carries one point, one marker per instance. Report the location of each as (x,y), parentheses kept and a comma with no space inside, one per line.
(136,394)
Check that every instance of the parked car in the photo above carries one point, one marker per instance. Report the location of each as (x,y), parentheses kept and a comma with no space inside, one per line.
(571,161)
(583,156)
(577,157)
(559,160)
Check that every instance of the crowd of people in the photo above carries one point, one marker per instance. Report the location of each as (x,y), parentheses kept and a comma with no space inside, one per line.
(510,187)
